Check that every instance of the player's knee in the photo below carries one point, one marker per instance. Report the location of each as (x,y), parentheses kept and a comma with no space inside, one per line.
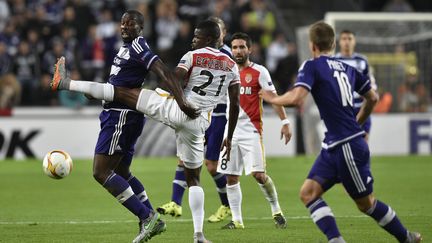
(99,176)
(260,177)
(366,203)
(211,166)
(232,179)
(305,196)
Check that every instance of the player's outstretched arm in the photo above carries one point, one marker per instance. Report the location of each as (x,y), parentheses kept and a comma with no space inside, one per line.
(174,86)
(285,130)
(294,97)
(370,100)
(234,98)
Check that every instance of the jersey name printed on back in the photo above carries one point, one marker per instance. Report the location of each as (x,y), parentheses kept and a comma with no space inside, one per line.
(253,78)
(130,66)
(332,83)
(210,73)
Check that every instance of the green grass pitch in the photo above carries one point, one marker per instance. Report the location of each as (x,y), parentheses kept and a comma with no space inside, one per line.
(35,208)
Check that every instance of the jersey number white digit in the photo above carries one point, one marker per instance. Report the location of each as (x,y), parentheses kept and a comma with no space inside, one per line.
(199,89)
(344,87)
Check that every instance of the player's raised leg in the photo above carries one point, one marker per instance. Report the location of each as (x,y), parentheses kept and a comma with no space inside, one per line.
(61,81)
(269,190)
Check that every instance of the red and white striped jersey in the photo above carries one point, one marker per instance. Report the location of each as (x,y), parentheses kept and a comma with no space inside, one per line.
(252,79)
(210,73)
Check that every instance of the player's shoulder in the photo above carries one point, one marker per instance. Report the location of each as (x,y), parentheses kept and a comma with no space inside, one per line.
(139,44)
(359,56)
(226,50)
(258,67)
(307,64)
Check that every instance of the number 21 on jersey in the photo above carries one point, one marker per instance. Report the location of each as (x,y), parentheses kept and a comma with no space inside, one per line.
(199,89)
(344,87)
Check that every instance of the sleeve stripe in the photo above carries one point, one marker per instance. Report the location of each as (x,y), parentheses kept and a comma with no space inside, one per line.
(234,82)
(364,85)
(151,61)
(183,66)
(304,85)
(136,47)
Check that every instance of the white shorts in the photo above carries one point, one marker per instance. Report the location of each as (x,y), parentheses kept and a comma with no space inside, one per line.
(247,153)
(160,106)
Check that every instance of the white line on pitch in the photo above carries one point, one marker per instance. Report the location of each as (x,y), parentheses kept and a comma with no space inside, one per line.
(166,220)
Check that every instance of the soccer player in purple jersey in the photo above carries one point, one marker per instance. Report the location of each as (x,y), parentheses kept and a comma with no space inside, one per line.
(347,43)
(121,125)
(199,67)
(345,154)
(214,137)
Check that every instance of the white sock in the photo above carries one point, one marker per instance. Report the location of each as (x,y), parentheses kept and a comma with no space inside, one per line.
(235,199)
(100,91)
(269,190)
(196,204)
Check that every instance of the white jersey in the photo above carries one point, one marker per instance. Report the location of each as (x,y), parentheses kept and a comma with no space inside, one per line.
(211,72)
(252,79)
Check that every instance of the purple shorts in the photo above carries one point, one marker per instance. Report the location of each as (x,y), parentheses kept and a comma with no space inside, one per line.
(347,163)
(119,132)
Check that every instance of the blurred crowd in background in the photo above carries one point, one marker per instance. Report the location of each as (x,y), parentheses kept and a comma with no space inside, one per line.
(34,33)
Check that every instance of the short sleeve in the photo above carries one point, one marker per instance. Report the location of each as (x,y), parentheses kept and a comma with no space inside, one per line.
(235,76)
(141,52)
(305,76)
(186,61)
(362,83)
(265,80)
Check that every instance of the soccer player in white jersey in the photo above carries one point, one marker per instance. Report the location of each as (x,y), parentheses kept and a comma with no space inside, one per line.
(247,151)
(209,73)
(213,140)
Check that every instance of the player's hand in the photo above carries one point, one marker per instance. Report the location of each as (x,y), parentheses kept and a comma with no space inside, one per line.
(266,95)
(189,110)
(227,146)
(286,132)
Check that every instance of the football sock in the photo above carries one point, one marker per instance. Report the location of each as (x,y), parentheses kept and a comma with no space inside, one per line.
(387,219)
(270,193)
(179,185)
(196,204)
(220,180)
(323,217)
(100,91)
(120,189)
(235,199)
(139,190)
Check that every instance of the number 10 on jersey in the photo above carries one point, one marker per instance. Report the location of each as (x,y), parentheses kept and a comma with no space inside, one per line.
(344,87)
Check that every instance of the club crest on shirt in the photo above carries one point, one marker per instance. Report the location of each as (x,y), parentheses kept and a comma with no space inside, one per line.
(123,53)
(248,77)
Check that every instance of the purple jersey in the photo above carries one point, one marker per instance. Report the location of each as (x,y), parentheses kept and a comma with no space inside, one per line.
(130,67)
(332,83)
(360,63)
